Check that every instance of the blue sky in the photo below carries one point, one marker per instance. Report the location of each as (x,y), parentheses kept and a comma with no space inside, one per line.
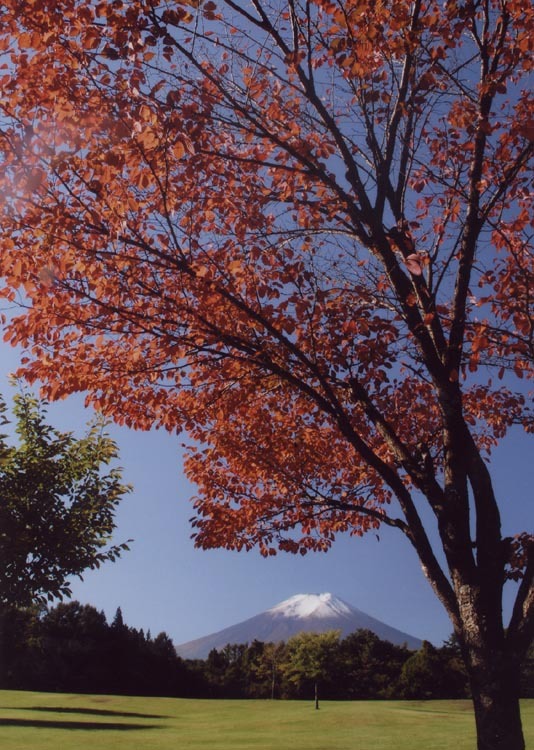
(164,583)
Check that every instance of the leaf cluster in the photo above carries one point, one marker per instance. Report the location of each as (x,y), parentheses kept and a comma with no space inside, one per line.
(58,498)
(300,233)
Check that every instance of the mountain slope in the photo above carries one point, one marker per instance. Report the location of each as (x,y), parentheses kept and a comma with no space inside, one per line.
(304,612)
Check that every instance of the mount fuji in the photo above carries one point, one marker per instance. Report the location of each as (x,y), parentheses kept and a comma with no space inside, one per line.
(314,613)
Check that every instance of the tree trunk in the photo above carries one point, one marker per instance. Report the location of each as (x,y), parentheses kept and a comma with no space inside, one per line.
(495,691)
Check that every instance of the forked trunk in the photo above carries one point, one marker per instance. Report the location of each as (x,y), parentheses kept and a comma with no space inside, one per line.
(495,690)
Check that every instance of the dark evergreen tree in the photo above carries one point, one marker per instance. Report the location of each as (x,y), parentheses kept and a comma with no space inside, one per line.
(21,652)
(118,622)
(76,649)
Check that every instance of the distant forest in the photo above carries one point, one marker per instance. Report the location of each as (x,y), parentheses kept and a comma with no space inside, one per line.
(72,648)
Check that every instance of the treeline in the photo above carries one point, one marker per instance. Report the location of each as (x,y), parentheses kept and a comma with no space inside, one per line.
(360,666)
(72,648)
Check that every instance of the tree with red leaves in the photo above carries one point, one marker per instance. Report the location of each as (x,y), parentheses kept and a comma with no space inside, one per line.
(299,232)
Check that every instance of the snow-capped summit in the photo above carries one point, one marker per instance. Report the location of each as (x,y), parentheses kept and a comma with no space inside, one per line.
(314,613)
(311,605)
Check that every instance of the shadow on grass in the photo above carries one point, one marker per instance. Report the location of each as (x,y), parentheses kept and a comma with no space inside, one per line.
(89,711)
(103,726)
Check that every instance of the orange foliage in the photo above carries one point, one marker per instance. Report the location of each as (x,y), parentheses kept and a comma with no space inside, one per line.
(268,230)
(300,233)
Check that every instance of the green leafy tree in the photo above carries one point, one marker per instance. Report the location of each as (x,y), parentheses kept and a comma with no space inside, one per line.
(310,660)
(236,676)
(58,497)
(215,671)
(427,674)
(371,666)
(301,233)
(264,661)
(455,677)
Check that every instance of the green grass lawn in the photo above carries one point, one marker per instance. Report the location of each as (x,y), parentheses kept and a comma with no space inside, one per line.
(54,721)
